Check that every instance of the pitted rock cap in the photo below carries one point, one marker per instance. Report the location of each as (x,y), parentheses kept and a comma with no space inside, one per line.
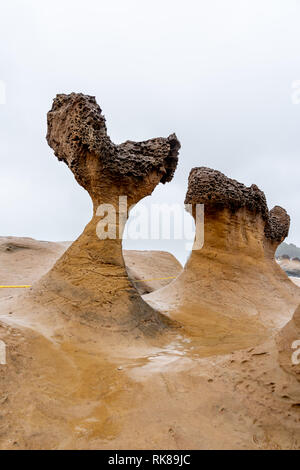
(76,126)
(218,192)
(214,189)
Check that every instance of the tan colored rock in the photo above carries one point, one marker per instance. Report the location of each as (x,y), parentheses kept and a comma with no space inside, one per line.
(68,385)
(151,270)
(216,383)
(231,288)
(90,280)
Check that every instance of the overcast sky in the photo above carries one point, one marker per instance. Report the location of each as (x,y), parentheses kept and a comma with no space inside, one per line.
(218,73)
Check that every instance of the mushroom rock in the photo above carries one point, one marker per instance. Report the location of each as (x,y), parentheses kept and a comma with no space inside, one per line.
(231,287)
(90,279)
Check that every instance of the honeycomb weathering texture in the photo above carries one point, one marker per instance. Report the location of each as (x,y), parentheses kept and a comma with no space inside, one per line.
(278,225)
(76,126)
(90,282)
(218,192)
(214,189)
(231,272)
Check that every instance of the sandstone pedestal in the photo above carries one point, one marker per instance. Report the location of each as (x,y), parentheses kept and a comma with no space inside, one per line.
(232,286)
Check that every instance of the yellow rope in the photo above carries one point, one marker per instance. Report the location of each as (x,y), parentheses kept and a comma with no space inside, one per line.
(14,287)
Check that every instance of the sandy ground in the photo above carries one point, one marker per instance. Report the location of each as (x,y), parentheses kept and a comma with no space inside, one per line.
(67,385)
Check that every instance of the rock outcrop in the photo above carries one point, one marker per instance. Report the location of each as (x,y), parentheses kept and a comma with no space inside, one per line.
(232,287)
(90,280)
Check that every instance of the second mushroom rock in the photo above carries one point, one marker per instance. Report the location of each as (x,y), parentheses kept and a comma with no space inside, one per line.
(231,287)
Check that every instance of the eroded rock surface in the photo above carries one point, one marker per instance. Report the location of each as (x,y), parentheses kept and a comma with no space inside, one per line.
(222,381)
(217,192)
(90,279)
(232,287)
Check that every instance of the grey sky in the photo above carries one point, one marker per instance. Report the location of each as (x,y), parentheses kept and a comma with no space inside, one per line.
(218,73)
